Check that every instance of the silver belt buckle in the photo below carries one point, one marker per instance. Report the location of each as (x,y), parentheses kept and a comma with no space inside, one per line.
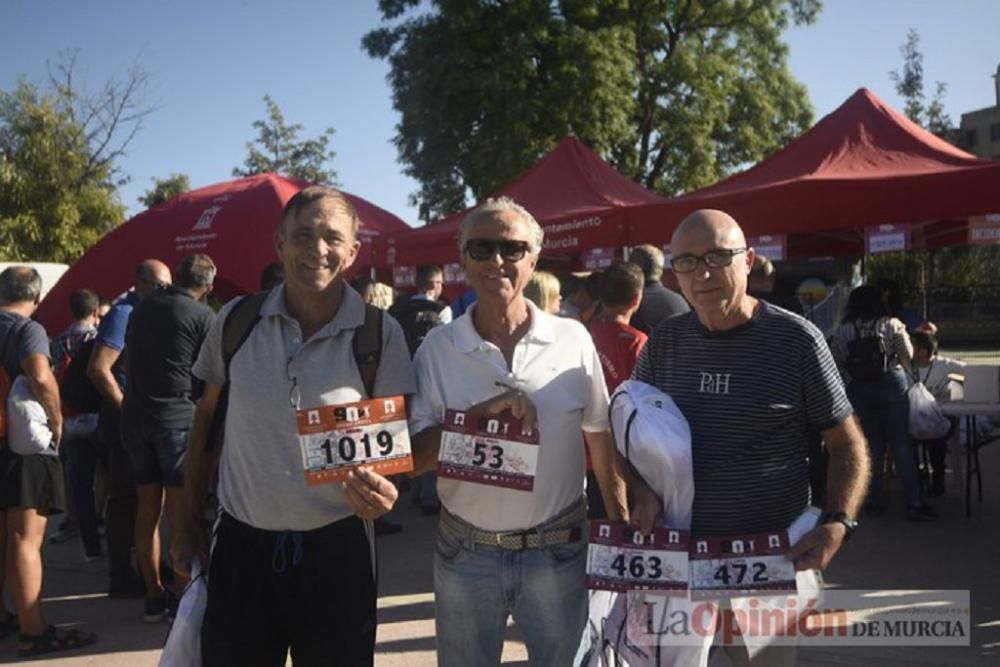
(499,541)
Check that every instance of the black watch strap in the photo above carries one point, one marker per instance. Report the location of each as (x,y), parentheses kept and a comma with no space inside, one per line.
(842,518)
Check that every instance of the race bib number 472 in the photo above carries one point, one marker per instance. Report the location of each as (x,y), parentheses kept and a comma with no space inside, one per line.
(488,449)
(338,438)
(741,564)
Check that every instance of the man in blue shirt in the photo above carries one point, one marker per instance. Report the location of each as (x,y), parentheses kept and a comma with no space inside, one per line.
(107,371)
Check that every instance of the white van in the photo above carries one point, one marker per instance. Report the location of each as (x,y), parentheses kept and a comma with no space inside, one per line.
(51,272)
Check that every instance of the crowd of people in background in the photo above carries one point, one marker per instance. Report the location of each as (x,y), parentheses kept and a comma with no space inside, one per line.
(131,391)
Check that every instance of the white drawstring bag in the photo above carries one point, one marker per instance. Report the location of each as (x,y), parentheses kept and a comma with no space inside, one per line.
(653,435)
(183,647)
(927,421)
(28,429)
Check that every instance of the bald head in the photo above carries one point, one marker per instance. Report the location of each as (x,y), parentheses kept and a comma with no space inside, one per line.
(708,223)
(711,262)
(150,275)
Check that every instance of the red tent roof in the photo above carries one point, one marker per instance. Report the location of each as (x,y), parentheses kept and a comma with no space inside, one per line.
(863,164)
(572,192)
(232,222)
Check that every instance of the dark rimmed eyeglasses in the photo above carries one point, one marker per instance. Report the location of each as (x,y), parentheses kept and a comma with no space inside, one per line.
(713,259)
(485,249)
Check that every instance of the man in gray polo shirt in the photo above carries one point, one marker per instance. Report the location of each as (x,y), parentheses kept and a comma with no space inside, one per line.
(291,564)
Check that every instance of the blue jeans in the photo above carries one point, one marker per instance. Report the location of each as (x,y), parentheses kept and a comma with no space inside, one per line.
(83,455)
(884,411)
(477,587)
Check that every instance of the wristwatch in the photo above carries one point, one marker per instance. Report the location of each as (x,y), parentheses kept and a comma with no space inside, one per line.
(840,517)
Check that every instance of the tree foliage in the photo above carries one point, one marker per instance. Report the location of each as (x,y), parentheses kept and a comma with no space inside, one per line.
(278,149)
(165,189)
(58,151)
(675,94)
(909,84)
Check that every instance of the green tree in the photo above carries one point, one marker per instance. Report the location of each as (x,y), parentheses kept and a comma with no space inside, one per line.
(165,189)
(675,94)
(278,149)
(909,84)
(58,153)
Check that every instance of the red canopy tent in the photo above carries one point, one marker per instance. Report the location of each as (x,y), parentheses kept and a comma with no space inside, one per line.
(864,164)
(580,201)
(232,222)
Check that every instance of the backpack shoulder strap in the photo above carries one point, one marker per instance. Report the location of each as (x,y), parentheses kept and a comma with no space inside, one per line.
(239,323)
(367,347)
(13,336)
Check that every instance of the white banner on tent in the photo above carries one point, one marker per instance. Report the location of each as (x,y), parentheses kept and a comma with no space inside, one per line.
(453,274)
(887,238)
(984,229)
(772,246)
(404,276)
(598,258)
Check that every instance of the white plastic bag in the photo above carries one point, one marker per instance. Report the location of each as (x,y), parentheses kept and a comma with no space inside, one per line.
(28,429)
(183,647)
(927,422)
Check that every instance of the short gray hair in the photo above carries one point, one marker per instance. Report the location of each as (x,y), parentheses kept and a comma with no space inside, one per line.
(491,206)
(20,283)
(649,258)
(196,272)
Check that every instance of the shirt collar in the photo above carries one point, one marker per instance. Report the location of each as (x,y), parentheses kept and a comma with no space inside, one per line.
(467,339)
(350,314)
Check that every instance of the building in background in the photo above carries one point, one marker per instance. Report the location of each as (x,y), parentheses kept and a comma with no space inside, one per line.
(980,129)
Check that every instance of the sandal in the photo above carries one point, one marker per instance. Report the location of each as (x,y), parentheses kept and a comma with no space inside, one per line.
(52,640)
(8,625)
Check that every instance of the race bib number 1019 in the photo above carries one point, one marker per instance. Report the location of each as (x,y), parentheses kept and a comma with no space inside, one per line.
(338,438)
(488,449)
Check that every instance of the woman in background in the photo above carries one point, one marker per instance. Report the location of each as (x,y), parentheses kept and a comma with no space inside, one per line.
(543,290)
(874,354)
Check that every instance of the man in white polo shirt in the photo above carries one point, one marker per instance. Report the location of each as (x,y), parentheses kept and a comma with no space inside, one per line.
(291,564)
(504,551)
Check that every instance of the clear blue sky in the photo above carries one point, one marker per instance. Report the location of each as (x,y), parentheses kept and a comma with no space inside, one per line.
(213,60)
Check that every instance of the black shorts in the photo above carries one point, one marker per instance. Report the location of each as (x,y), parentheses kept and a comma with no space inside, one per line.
(155,452)
(313,592)
(31,482)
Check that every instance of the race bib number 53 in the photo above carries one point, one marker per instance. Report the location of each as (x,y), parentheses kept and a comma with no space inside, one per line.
(337,438)
(490,449)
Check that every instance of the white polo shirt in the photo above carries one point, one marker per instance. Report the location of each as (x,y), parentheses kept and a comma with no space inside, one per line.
(261,474)
(556,364)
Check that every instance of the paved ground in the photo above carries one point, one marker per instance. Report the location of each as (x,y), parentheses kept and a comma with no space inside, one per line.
(887,553)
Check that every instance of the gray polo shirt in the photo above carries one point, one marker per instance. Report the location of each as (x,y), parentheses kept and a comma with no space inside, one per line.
(261,474)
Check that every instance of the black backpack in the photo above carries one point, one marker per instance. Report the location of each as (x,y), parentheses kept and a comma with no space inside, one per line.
(417,317)
(867,355)
(76,390)
(239,324)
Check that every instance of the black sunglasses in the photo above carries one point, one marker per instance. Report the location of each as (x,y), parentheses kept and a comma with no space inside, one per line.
(713,259)
(485,249)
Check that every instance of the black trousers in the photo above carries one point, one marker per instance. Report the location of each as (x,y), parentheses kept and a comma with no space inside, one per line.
(312,592)
(121,504)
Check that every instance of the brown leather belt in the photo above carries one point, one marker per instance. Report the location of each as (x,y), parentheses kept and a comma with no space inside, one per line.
(564,529)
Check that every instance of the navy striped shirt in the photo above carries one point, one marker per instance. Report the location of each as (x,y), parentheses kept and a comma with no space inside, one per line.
(751,396)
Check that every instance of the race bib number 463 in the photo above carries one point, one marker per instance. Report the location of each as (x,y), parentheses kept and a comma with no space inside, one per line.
(337,438)
(741,564)
(490,449)
(621,558)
